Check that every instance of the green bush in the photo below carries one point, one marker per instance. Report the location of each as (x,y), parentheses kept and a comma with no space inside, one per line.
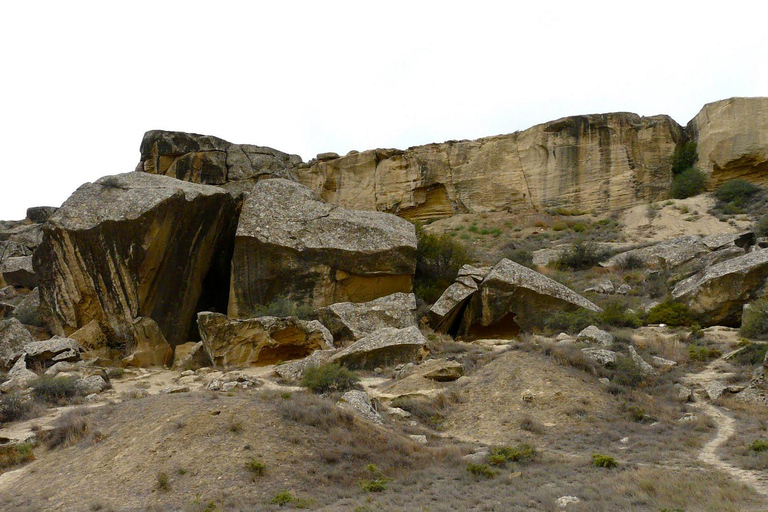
(670,313)
(626,372)
(688,184)
(255,467)
(13,455)
(281,498)
(752,354)
(702,353)
(376,484)
(569,321)
(631,262)
(603,461)
(754,321)
(481,470)
(283,306)
(521,453)
(163,482)
(683,157)
(438,260)
(329,377)
(581,255)
(759,445)
(736,192)
(521,256)
(13,407)
(616,314)
(54,390)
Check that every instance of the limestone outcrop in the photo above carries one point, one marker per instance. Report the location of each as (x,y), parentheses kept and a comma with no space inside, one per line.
(732,140)
(593,162)
(289,244)
(260,341)
(13,338)
(210,160)
(716,295)
(350,321)
(384,347)
(134,245)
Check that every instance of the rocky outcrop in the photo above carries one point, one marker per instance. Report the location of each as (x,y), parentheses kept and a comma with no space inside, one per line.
(293,371)
(189,356)
(593,334)
(445,311)
(716,295)
(732,140)
(350,321)
(510,298)
(18,271)
(260,341)
(19,376)
(150,348)
(53,351)
(134,245)
(291,244)
(384,347)
(210,160)
(593,162)
(28,310)
(13,338)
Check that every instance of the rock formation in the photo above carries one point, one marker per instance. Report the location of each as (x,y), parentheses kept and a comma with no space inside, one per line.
(384,347)
(291,244)
(128,246)
(350,321)
(732,140)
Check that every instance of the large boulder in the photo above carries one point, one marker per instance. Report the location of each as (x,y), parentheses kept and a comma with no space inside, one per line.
(19,376)
(291,244)
(150,348)
(13,338)
(260,341)
(209,160)
(350,321)
(18,271)
(732,139)
(53,350)
(28,310)
(385,347)
(135,245)
(510,298)
(716,295)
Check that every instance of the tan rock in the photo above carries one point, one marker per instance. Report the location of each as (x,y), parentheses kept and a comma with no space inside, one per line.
(90,336)
(13,337)
(189,355)
(350,321)
(260,341)
(151,347)
(384,347)
(732,140)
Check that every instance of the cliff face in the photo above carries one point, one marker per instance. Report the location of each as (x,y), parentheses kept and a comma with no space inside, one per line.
(732,140)
(594,162)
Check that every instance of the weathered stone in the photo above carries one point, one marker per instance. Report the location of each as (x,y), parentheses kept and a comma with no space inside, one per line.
(13,338)
(290,244)
(209,160)
(23,234)
(9,249)
(19,377)
(684,394)
(668,254)
(660,362)
(359,403)
(624,289)
(743,239)
(596,162)
(440,370)
(91,336)
(605,287)
(715,389)
(646,368)
(323,157)
(543,257)
(150,347)
(732,140)
(600,355)
(294,370)
(384,347)
(260,341)
(476,273)
(593,334)
(350,321)
(135,245)
(40,214)
(447,311)
(63,366)
(512,297)
(92,384)
(189,355)
(28,310)
(18,271)
(716,295)
(44,351)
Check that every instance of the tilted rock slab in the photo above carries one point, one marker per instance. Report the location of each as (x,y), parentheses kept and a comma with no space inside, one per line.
(13,338)
(291,244)
(260,341)
(384,347)
(210,160)
(716,296)
(512,293)
(350,321)
(732,140)
(593,162)
(55,349)
(18,271)
(128,246)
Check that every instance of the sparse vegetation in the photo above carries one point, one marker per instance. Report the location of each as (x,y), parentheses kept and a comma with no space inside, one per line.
(569,321)
(331,377)
(581,255)
(751,354)
(14,407)
(603,461)
(438,260)
(314,411)
(15,454)
(55,390)
(631,262)
(736,193)
(377,483)
(281,498)
(627,373)
(669,313)
(688,183)
(255,467)
(759,445)
(163,482)
(69,428)
(754,321)
(482,470)
(522,453)
(702,353)
(684,157)
(284,306)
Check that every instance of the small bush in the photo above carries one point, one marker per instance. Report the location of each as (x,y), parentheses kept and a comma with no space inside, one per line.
(684,157)
(521,453)
(688,184)
(754,321)
(670,313)
(481,470)
(163,482)
(751,354)
(627,373)
(281,498)
(329,377)
(69,428)
(759,445)
(521,256)
(314,411)
(616,314)
(16,454)
(761,227)
(736,192)
(54,390)
(528,424)
(603,461)
(438,260)
(702,353)
(283,306)
(581,255)
(569,321)
(255,467)
(631,262)
(14,407)
(376,484)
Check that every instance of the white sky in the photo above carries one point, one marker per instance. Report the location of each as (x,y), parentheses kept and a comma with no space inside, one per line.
(82,81)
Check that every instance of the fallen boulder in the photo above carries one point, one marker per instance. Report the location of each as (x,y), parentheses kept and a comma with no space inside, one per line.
(293,371)
(53,350)
(594,334)
(350,321)
(359,403)
(19,377)
(13,337)
(134,245)
(18,271)
(384,347)
(290,244)
(150,348)
(600,355)
(190,355)
(28,310)
(259,341)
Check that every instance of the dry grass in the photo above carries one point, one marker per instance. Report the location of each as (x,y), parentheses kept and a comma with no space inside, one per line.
(71,427)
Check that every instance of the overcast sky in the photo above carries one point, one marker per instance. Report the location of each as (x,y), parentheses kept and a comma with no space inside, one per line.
(82,81)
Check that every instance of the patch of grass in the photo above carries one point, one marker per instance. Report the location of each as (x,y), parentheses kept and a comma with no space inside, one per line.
(702,353)
(281,498)
(69,428)
(481,470)
(16,454)
(603,461)
(528,424)
(163,482)
(582,254)
(617,314)
(521,453)
(54,390)
(378,482)
(284,306)
(688,183)
(626,372)
(256,467)
(314,411)
(751,354)
(329,377)
(754,321)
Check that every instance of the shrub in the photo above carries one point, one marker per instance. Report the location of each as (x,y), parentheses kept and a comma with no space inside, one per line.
(283,306)
(281,498)
(521,256)
(376,484)
(751,354)
(329,377)
(314,411)
(13,455)
(163,482)
(702,353)
(521,453)
(603,461)
(569,321)
(581,255)
(670,313)
(761,227)
(481,470)
(13,407)
(627,373)
(255,467)
(54,389)
(688,184)
(683,157)
(69,428)
(438,260)
(754,321)
(759,445)
(616,314)
(631,262)
(736,192)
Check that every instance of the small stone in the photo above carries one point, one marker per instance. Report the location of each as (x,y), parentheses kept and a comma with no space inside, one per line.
(662,363)
(229,386)
(396,411)
(593,334)
(564,501)
(527,396)
(187,373)
(715,389)
(175,389)
(683,393)
(421,439)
